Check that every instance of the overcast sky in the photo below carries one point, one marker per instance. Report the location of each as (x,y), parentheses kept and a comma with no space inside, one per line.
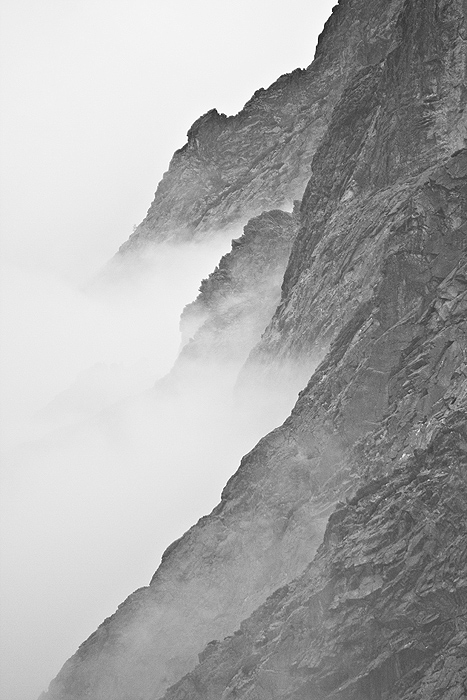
(97,94)
(95,97)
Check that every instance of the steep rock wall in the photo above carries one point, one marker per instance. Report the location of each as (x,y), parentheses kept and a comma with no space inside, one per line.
(381,612)
(222,325)
(233,168)
(370,264)
(237,300)
(395,119)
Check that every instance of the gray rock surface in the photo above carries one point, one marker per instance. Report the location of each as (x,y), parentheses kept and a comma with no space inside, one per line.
(369,471)
(381,611)
(233,168)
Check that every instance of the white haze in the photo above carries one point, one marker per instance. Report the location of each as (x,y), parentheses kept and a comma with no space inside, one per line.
(93,493)
(96,96)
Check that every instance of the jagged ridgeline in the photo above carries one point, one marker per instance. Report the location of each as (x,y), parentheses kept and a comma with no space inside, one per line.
(335,565)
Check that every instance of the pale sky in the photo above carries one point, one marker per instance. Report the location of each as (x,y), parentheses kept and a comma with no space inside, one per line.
(95,98)
(97,95)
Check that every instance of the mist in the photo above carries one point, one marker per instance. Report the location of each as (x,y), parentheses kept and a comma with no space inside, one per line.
(101,471)
(104,465)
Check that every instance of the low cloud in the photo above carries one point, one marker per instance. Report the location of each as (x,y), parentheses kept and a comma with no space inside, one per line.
(103,466)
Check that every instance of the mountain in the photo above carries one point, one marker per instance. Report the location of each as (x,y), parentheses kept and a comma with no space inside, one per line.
(226,320)
(380,611)
(233,168)
(335,564)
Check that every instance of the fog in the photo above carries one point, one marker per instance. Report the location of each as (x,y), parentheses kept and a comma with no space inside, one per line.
(94,499)
(100,472)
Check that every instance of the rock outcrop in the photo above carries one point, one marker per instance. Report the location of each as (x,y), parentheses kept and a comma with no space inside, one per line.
(380,612)
(219,329)
(234,168)
(237,300)
(369,471)
(394,121)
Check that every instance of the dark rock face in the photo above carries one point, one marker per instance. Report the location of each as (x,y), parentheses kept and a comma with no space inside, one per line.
(394,121)
(369,471)
(233,168)
(380,612)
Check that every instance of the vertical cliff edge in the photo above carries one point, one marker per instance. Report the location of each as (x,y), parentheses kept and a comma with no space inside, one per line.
(335,564)
(233,168)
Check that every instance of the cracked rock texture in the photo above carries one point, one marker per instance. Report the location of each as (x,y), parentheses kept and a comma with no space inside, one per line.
(340,541)
(233,168)
(394,121)
(381,612)
(234,305)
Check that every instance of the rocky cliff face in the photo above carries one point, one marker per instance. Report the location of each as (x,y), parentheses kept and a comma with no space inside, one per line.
(238,299)
(340,541)
(380,612)
(233,168)
(394,120)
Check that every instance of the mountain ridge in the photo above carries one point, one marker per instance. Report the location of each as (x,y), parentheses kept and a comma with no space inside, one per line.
(233,168)
(374,291)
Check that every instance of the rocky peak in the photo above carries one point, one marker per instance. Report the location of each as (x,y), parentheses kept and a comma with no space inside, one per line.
(334,566)
(233,168)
